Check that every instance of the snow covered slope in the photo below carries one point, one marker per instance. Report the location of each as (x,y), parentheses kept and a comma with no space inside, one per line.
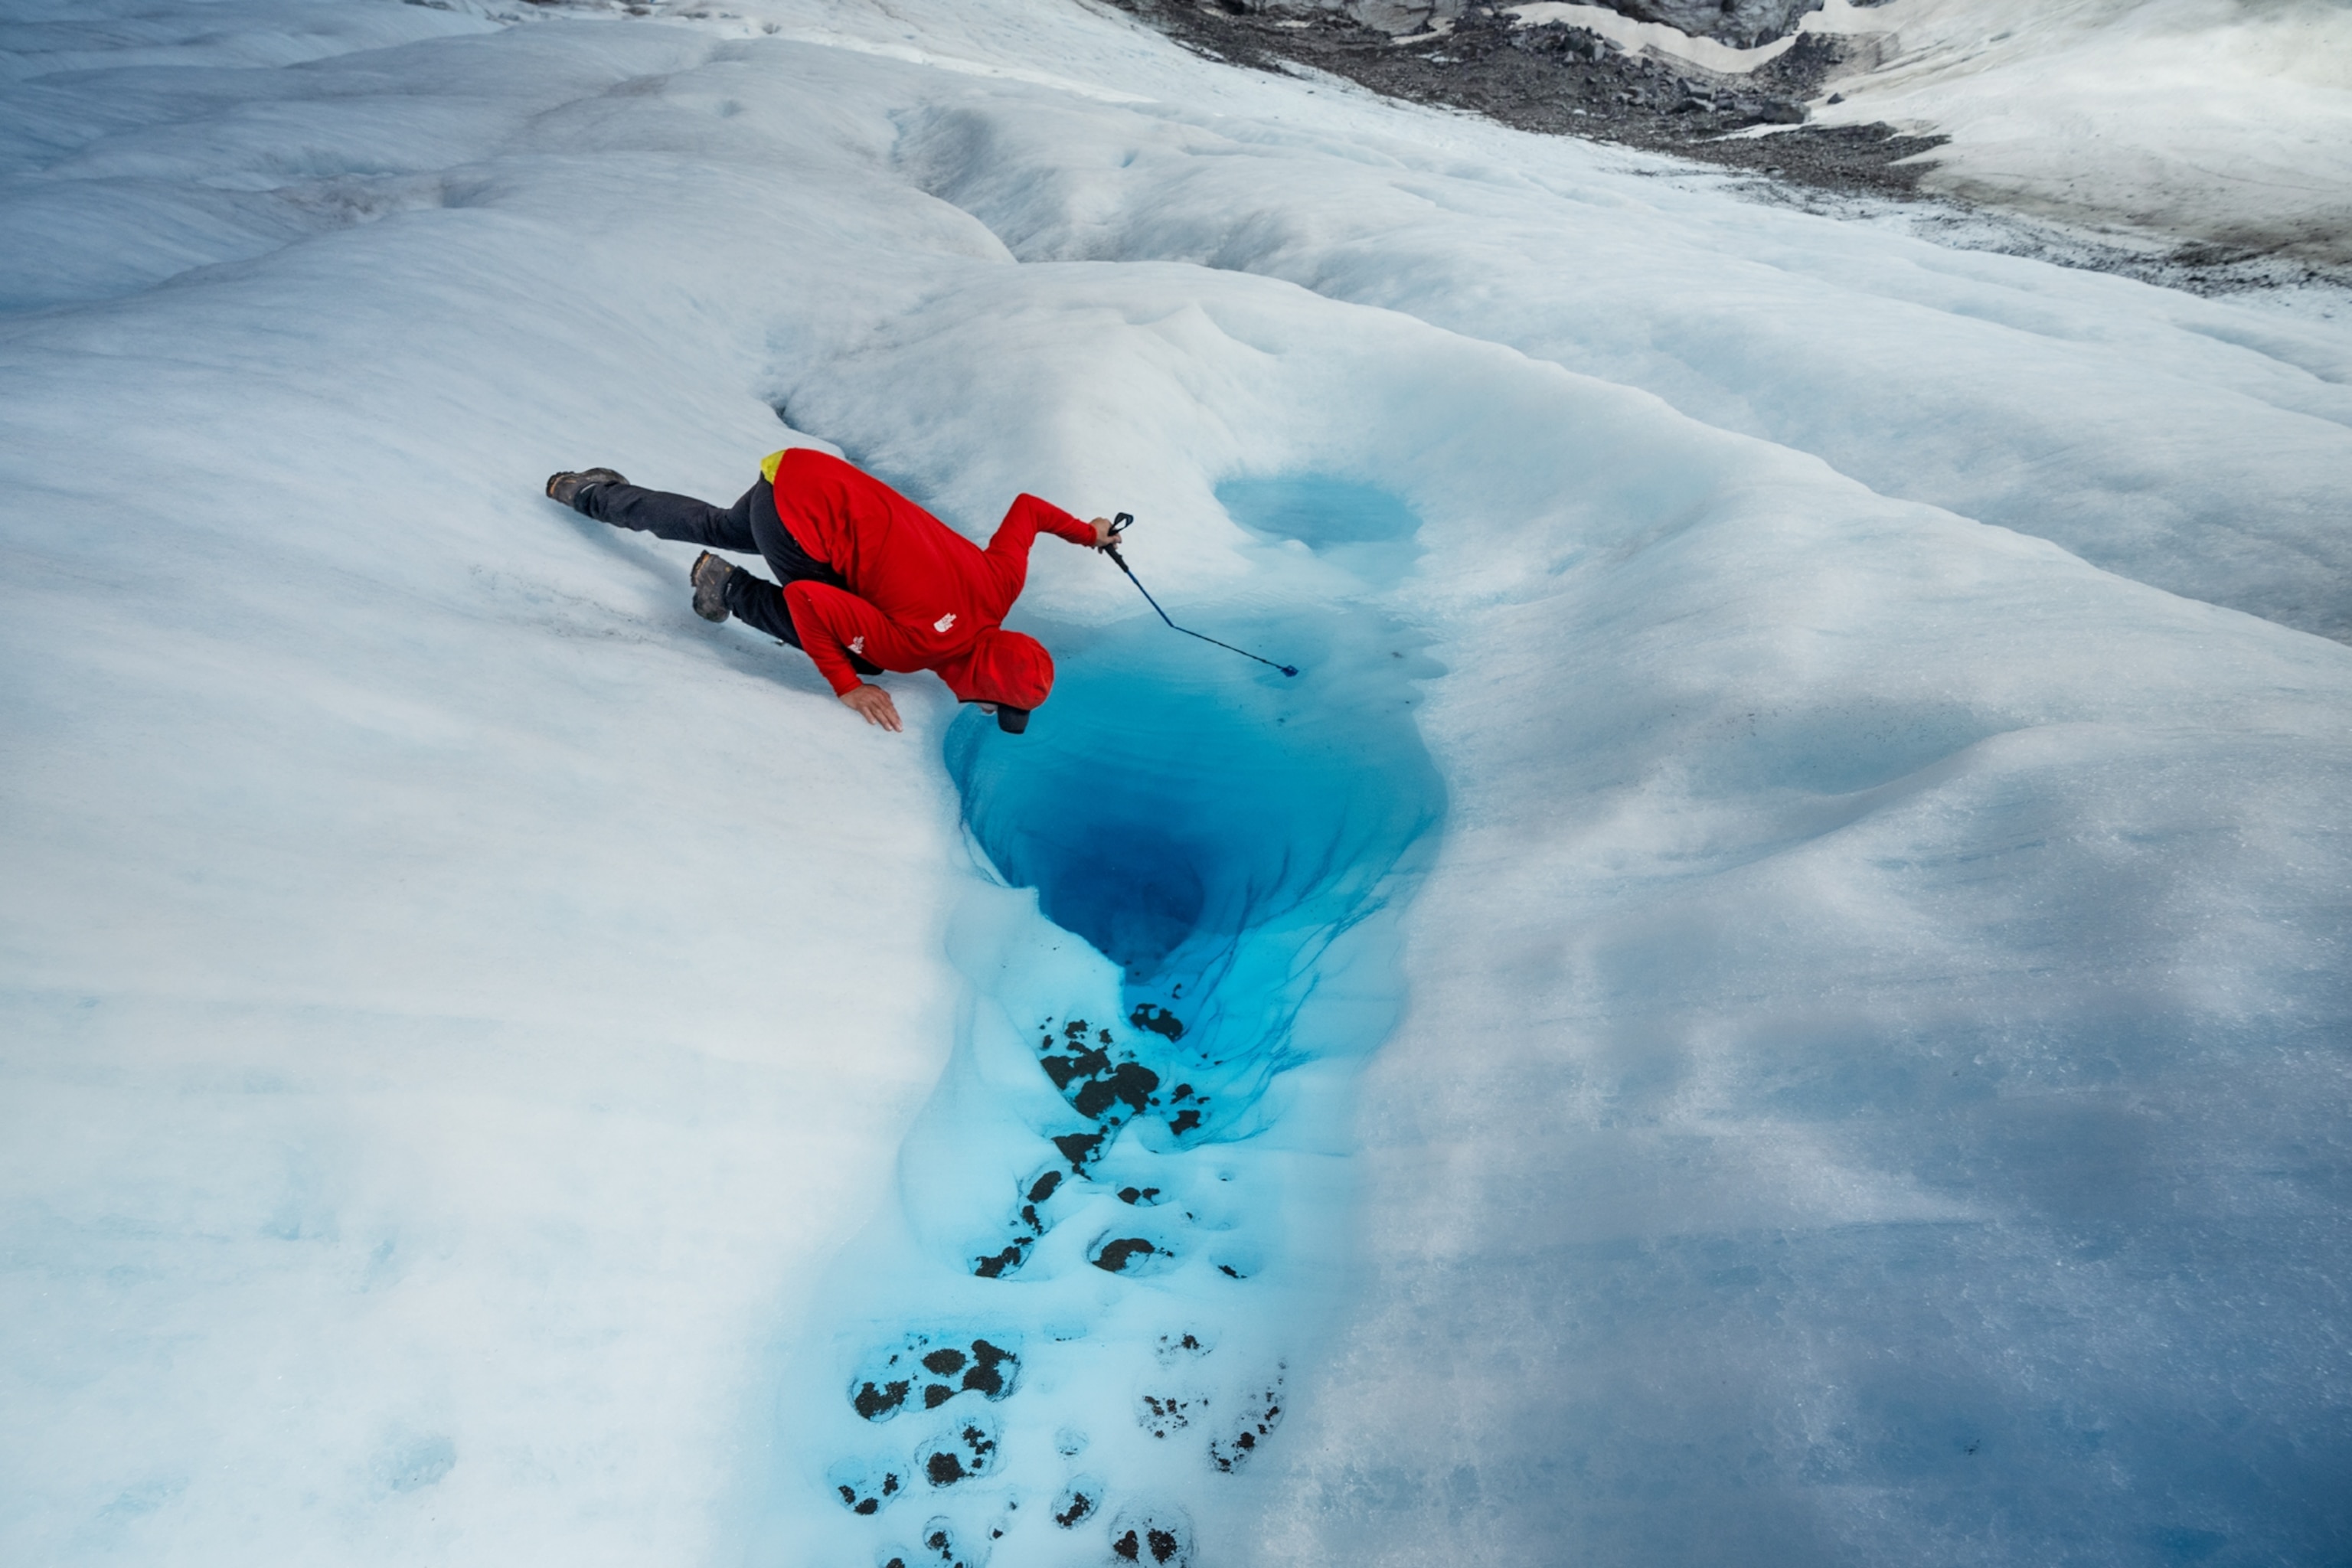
(2152,122)
(1774,991)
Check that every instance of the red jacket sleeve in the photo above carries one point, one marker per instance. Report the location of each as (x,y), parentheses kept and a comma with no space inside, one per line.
(1008,551)
(833,623)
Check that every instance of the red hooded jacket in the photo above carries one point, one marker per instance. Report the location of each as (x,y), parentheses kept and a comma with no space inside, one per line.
(921,596)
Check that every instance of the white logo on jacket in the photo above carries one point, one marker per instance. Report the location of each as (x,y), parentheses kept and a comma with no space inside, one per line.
(944,622)
(858,643)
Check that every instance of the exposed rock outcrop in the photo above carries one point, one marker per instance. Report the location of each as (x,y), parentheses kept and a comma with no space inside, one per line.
(1553,77)
(1397,18)
(1741,23)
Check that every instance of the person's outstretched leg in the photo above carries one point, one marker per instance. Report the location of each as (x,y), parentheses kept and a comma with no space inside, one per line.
(667,516)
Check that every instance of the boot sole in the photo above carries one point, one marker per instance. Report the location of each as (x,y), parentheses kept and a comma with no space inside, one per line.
(585,476)
(718,611)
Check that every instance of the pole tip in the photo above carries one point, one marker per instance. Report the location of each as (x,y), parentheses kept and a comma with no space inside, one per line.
(1289,669)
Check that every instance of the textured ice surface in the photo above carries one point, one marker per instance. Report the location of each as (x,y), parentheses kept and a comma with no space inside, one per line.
(496,1065)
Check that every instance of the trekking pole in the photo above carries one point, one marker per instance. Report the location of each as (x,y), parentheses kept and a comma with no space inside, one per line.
(1119,525)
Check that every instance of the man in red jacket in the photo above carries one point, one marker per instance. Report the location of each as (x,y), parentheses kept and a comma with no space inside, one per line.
(869,581)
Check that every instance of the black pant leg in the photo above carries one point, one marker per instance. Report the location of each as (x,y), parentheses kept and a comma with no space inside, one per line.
(760,605)
(667,516)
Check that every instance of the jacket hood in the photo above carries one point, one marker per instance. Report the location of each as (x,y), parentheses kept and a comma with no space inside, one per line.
(1009,667)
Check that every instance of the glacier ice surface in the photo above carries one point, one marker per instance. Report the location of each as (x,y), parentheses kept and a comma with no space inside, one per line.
(495,1065)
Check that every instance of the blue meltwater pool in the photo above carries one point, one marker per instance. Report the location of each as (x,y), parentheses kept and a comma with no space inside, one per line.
(1125,1216)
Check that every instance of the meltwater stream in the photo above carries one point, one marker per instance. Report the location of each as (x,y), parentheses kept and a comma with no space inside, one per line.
(1123,1215)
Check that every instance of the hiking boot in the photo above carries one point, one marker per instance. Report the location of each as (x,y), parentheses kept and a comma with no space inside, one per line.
(710,577)
(564,486)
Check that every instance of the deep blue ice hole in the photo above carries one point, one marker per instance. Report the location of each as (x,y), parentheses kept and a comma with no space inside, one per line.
(1210,825)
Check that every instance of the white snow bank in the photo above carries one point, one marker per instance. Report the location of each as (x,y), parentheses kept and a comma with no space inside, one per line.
(2151,122)
(492,1059)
